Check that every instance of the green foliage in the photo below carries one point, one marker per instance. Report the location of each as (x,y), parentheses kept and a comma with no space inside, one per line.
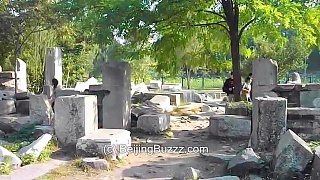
(23,138)
(5,166)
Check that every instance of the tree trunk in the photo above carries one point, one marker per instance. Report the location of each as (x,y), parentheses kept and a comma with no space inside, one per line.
(235,54)
(188,78)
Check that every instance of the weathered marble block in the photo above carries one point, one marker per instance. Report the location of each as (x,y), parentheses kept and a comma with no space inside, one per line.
(162,101)
(105,142)
(231,126)
(154,123)
(40,109)
(292,154)
(66,92)
(7,107)
(116,107)
(22,106)
(75,117)
(269,122)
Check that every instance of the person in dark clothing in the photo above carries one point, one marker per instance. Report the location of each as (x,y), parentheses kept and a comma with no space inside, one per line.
(228,87)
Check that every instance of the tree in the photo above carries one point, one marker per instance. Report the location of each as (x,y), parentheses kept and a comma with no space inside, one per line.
(223,20)
(20,19)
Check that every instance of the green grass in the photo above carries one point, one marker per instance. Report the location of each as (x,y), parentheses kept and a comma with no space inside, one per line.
(21,139)
(197,83)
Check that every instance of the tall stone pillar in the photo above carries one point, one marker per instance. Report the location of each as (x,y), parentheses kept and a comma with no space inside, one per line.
(269,122)
(116,106)
(53,65)
(264,77)
(21,69)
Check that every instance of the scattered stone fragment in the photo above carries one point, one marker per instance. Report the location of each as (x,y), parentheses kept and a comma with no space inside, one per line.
(205,108)
(6,155)
(154,123)
(254,177)
(36,147)
(291,156)
(315,173)
(217,158)
(245,161)
(224,178)
(96,163)
(188,173)
(40,130)
(195,117)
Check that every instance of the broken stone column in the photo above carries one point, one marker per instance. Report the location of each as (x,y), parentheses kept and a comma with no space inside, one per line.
(269,122)
(75,117)
(53,65)
(40,109)
(116,106)
(264,77)
(21,69)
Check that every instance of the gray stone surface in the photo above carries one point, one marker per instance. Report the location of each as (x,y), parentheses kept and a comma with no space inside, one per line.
(163,102)
(116,106)
(7,107)
(96,163)
(40,130)
(66,92)
(230,126)
(304,111)
(217,158)
(154,123)
(291,156)
(105,142)
(75,117)
(269,122)
(47,90)
(265,73)
(40,109)
(315,173)
(14,160)
(188,173)
(36,147)
(224,178)
(22,106)
(14,122)
(244,162)
(53,65)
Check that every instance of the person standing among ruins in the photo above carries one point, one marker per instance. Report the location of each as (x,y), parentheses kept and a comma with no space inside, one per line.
(246,89)
(228,88)
(55,84)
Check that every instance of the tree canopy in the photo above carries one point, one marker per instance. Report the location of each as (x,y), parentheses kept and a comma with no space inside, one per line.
(223,26)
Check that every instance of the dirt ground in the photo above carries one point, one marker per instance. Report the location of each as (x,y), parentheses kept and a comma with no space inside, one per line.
(191,133)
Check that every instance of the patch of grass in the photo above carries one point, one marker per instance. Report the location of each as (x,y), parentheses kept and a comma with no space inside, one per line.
(313,144)
(76,167)
(23,138)
(168,133)
(5,166)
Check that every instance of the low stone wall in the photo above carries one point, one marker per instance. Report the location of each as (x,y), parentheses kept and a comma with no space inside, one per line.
(305,121)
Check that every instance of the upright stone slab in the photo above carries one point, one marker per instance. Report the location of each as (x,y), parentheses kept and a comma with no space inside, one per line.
(21,68)
(75,117)
(265,73)
(116,106)
(53,65)
(269,122)
(40,109)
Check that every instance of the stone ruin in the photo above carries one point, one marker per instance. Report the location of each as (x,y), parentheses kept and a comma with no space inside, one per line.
(280,119)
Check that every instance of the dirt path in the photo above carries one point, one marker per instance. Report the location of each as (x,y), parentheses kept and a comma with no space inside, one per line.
(163,165)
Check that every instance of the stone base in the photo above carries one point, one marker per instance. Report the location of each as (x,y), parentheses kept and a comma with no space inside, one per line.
(22,106)
(105,142)
(7,107)
(231,126)
(154,123)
